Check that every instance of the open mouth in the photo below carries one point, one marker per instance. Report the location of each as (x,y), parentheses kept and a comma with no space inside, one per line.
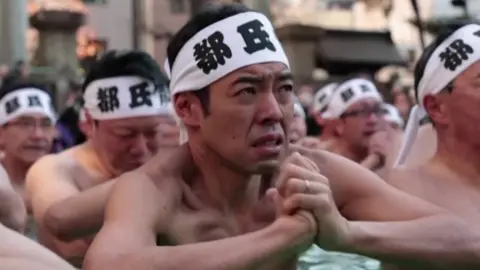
(35,148)
(268,141)
(368,133)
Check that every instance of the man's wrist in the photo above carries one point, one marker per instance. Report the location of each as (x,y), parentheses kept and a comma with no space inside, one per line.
(292,239)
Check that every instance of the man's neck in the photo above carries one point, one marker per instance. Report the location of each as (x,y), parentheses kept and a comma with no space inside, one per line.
(90,157)
(223,187)
(342,148)
(16,169)
(458,157)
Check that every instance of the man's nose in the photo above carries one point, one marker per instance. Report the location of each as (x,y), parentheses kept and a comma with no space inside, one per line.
(139,145)
(373,117)
(269,109)
(39,132)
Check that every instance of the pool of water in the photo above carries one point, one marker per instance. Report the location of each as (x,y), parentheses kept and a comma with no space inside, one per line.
(319,259)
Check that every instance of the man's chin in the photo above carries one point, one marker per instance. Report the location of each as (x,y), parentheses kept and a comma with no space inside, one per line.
(33,156)
(267,166)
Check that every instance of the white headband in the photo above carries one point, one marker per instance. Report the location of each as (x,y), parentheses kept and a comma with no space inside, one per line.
(452,57)
(26,101)
(221,48)
(349,93)
(322,97)
(393,115)
(124,97)
(225,46)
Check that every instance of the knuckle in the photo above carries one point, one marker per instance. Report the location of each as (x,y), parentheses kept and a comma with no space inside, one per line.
(325,204)
(289,169)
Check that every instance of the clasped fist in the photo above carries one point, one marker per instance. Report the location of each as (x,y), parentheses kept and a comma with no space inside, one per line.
(303,189)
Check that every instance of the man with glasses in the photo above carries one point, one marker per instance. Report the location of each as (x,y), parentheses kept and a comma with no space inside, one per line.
(127,111)
(355,112)
(27,119)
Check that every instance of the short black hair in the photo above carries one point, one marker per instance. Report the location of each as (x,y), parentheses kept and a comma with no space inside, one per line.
(427,53)
(9,88)
(126,63)
(209,15)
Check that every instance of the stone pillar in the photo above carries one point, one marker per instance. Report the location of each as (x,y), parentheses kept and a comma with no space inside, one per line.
(57,45)
(13,30)
(299,43)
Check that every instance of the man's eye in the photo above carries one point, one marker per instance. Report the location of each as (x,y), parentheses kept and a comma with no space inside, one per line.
(247,91)
(287,88)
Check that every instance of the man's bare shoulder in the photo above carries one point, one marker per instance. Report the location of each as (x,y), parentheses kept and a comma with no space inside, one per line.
(52,168)
(62,160)
(408,179)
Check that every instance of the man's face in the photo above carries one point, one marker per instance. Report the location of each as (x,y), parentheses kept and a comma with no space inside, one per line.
(359,122)
(28,137)
(458,109)
(126,144)
(298,129)
(250,113)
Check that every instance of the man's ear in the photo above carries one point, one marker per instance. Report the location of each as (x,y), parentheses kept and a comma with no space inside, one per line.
(436,108)
(188,108)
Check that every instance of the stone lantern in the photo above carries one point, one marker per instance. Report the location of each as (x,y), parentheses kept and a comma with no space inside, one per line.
(55,59)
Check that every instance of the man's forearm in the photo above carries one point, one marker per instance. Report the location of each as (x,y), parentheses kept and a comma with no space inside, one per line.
(438,242)
(249,251)
(80,215)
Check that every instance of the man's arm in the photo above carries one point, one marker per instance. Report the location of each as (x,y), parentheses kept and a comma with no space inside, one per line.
(393,226)
(48,182)
(80,215)
(138,208)
(13,213)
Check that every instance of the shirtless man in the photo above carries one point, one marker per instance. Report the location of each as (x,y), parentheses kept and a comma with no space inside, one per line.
(16,251)
(27,121)
(449,96)
(355,110)
(211,208)
(126,101)
(319,105)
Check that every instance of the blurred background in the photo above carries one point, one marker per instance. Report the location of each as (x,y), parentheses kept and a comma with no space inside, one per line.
(54,42)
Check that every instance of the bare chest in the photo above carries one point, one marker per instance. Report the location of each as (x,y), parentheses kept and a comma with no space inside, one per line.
(189,226)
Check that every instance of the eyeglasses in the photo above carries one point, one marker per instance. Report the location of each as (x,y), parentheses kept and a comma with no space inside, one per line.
(365,112)
(29,125)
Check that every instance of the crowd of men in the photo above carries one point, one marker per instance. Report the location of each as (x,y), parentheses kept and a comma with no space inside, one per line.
(208,165)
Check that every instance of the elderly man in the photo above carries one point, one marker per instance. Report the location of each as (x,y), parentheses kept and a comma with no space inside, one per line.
(126,106)
(27,120)
(229,199)
(447,92)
